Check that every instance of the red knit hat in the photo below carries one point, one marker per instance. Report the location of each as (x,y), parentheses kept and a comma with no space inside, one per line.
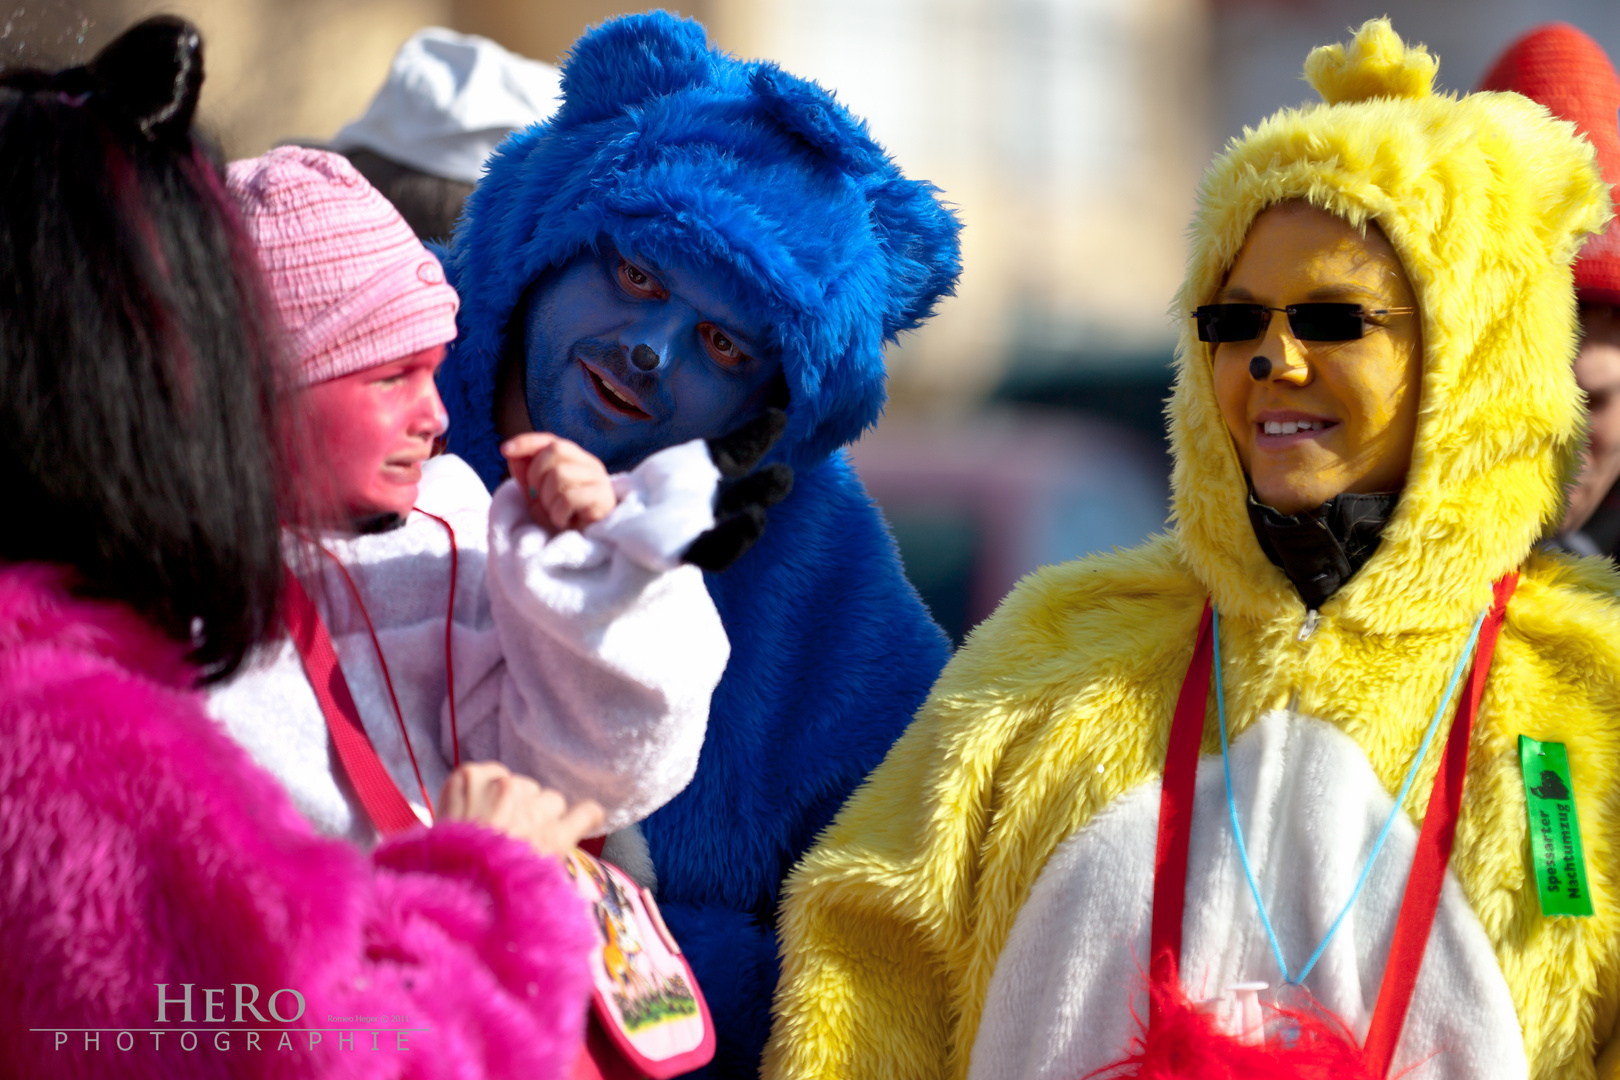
(1565,70)
(351,283)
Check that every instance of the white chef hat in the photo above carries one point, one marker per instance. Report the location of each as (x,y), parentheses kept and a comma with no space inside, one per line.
(449,100)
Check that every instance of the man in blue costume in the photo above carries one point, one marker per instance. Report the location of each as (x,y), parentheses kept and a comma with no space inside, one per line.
(691,240)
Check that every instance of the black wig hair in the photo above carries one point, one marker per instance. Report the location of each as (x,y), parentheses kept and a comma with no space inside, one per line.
(138,438)
(429,204)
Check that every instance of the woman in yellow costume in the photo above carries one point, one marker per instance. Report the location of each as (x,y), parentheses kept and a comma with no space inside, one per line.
(1374,422)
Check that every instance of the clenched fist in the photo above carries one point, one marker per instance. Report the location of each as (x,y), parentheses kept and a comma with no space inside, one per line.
(490,794)
(567,487)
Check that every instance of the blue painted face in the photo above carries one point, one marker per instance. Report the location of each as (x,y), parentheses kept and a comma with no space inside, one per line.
(626,358)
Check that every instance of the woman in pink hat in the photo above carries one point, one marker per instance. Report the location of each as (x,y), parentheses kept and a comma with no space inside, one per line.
(553,628)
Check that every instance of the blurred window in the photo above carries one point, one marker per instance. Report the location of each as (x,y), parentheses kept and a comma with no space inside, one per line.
(1045,87)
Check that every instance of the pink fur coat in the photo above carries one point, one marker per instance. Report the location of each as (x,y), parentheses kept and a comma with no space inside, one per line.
(140,846)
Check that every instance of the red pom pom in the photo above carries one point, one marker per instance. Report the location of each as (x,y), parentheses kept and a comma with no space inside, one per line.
(1184,1043)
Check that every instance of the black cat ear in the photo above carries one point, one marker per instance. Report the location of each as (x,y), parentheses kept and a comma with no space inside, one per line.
(152,73)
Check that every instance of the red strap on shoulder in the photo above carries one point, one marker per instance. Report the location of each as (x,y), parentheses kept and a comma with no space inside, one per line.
(378,793)
(1175,811)
(1433,851)
(1422,896)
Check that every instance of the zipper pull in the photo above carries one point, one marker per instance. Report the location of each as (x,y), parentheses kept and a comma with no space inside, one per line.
(1308,627)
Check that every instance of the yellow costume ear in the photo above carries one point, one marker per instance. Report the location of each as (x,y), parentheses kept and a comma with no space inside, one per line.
(1377,63)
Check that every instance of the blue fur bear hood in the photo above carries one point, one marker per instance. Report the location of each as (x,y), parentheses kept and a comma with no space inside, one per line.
(683,155)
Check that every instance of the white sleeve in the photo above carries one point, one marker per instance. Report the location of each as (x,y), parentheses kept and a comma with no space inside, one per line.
(612,648)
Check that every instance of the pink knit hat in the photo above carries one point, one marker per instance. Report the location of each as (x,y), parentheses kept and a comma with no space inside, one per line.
(351,283)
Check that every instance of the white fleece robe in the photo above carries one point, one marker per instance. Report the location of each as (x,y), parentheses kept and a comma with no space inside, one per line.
(1068,988)
(585,660)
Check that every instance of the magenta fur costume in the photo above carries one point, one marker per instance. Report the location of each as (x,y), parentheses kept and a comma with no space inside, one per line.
(139,845)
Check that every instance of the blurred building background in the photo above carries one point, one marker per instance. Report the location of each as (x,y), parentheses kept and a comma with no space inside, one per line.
(1025,425)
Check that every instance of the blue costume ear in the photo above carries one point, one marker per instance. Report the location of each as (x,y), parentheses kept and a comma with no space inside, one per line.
(814,115)
(919,237)
(630,61)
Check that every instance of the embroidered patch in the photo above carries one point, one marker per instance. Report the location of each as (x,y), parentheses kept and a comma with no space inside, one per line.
(1555,832)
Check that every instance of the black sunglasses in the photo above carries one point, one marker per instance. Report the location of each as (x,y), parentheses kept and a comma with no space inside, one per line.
(1219,323)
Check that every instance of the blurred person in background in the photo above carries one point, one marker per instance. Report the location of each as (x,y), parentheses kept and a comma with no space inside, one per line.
(154,873)
(448,101)
(1562,68)
(691,241)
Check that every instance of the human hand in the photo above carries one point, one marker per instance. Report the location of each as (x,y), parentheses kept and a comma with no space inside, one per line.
(488,793)
(566,486)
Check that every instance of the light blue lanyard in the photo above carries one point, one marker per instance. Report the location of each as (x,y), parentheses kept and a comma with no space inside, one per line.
(1389,823)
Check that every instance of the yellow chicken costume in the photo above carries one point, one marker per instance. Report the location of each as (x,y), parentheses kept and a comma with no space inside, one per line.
(981,907)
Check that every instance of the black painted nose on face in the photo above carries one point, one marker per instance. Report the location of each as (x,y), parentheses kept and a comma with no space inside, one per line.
(644,357)
(1259,368)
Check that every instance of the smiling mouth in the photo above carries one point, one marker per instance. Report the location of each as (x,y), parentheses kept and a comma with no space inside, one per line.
(614,400)
(1294,427)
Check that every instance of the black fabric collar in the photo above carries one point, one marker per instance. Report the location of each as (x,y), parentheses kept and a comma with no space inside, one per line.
(371,524)
(1321,549)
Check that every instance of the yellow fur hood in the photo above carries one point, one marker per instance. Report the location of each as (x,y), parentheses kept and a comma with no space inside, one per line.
(1486,199)
(1058,707)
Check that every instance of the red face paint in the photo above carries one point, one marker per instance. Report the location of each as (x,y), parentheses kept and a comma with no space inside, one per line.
(371,431)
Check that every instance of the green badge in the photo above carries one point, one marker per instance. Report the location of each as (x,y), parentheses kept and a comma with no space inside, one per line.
(1555,834)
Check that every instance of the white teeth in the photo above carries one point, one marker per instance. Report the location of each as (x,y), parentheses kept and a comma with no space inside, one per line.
(1292,427)
(615,395)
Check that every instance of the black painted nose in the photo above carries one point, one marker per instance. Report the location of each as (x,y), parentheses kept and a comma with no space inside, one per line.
(644,357)
(1259,368)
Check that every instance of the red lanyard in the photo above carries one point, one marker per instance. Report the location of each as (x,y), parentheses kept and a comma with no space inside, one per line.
(1422,896)
(378,794)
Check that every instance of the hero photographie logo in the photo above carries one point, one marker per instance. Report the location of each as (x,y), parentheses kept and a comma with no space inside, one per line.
(199,1022)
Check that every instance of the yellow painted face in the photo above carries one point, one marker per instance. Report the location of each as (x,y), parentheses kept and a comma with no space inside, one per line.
(1328,416)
